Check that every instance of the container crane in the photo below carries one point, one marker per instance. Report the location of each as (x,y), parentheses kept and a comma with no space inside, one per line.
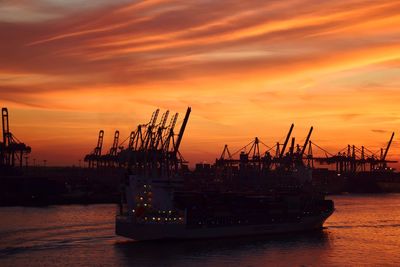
(112,157)
(114,147)
(131,140)
(148,139)
(12,151)
(160,130)
(94,158)
(169,138)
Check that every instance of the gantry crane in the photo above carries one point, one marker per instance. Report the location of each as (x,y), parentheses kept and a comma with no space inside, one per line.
(111,158)
(94,158)
(153,146)
(12,151)
(250,157)
(353,159)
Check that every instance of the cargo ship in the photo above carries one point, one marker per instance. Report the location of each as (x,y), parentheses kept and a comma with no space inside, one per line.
(253,195)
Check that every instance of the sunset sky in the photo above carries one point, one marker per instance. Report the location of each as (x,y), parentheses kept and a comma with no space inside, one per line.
(69,68)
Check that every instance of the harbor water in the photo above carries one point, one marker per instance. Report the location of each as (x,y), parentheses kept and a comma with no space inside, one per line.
(363,231)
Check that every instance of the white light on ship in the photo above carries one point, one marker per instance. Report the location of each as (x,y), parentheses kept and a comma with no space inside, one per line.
(145,204)
(133,211)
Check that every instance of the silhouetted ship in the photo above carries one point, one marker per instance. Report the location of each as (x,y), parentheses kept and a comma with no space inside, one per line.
(253,195)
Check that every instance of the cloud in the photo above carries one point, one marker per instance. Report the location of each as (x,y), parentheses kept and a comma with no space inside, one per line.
(379,131)
(175,40)
(349,116)
(244,66)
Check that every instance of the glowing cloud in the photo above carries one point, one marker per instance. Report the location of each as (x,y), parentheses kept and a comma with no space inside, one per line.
(248,68)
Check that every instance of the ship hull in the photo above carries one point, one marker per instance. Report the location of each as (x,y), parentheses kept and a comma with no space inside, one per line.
(389,187)
(159,231)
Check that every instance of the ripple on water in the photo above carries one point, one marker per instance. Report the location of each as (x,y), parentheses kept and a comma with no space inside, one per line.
(364,230)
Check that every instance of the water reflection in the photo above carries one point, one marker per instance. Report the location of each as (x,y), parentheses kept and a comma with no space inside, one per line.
(304,249)
(364,230)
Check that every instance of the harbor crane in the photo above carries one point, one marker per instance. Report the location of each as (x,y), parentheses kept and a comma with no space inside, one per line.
(94,158)
(12,150)
(153,145)
(354,159)
(112,156)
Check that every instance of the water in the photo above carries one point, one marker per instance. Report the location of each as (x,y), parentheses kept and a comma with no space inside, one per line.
(364,230)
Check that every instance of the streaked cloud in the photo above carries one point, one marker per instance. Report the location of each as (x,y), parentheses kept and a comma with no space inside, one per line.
(246,67)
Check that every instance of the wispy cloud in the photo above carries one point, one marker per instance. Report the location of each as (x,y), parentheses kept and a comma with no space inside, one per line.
(248,65)
(379,131)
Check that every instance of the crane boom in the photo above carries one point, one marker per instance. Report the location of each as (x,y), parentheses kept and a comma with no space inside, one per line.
(225,152)
(388,146)
(291,150)
(286,141)
(306,142)
(182,130)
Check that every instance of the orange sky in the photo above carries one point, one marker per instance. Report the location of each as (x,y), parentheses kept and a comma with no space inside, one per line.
(247,68)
